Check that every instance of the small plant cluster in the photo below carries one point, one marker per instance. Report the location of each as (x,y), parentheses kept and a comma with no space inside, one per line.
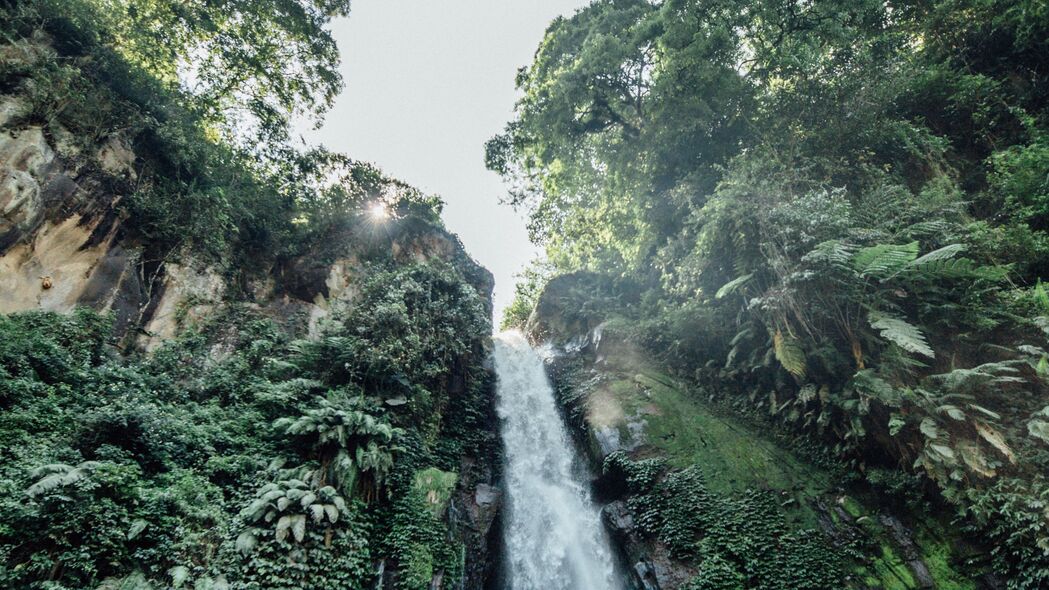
(737,542)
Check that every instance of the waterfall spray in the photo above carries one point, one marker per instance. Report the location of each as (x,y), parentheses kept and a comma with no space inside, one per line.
(553,532)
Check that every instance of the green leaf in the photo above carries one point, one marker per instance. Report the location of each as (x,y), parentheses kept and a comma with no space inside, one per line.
(985,411)
(298,527)
(884,260)
(870,384)
(246,541)
(317,512)
(943,450)
(896,424)
(929,428)
(1039,429)
(938,255)
(953,411)
(137,526)
(282,527)
(729,287)
(789,353)
(901,333)
(179,574)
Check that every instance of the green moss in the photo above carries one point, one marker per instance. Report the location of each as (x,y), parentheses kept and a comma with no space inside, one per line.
(436,487)
(851,506)
(937,554)
(736,457)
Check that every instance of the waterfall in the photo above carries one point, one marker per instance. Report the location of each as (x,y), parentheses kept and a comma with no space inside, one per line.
(553,533)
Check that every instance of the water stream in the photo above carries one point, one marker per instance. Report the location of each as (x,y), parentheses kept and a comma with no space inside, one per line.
(554,538)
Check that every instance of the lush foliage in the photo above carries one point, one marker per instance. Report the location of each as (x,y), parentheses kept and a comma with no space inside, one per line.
(213,172)
(235,456)
(260,467)
(740,542)
(833,209)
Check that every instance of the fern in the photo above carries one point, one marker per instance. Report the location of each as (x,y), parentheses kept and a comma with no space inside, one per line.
(833,252)
(1039,429)
(871,385)
(731,286)
(936,256)
(884,260)
(58,475)
(789,353)
(975,379)
(135,581)
(901,333)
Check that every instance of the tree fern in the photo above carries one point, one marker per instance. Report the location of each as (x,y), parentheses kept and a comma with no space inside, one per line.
(901,333)
(884,260)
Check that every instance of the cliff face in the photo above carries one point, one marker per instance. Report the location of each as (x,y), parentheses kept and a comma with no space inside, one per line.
(62,245)
(67,243)
(697,494)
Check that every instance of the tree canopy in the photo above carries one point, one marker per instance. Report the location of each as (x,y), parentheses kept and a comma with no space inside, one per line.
(845,197)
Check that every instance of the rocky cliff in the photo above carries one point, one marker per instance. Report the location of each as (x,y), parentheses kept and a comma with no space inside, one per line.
(699,495)
(397,311)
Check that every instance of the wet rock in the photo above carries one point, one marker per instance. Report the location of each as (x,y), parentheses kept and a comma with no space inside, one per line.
(607,439)
(618,519)
(646,575)
(486,503)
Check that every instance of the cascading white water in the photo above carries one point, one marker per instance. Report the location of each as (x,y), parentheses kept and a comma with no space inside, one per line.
(553,533)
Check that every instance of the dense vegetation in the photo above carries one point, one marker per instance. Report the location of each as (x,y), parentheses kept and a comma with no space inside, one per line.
(215,172)
(834,212)
(238,455)
(279,464)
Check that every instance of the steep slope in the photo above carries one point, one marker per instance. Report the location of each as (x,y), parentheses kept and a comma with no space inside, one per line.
(833,214)
(700,496)
(214,374)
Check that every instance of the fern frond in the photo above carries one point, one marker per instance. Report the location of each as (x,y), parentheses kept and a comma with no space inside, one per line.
(789,353)
(729,287)
(936,256)
(871,385)
(884,260)
(833,252)
(246,541)
(901,333)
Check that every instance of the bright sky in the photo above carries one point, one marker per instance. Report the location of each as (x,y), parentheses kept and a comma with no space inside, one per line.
(427,83)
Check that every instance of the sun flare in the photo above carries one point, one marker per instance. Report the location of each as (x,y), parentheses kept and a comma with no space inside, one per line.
(378,212)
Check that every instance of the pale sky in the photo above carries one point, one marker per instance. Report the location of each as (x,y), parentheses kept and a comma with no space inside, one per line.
(427,83)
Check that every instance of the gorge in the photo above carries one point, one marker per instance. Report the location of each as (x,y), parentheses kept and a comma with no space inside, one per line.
(789,330)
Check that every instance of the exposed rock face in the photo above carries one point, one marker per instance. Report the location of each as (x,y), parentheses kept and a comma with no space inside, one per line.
(64,244)
(188,294)
(26,166)
(58,242)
